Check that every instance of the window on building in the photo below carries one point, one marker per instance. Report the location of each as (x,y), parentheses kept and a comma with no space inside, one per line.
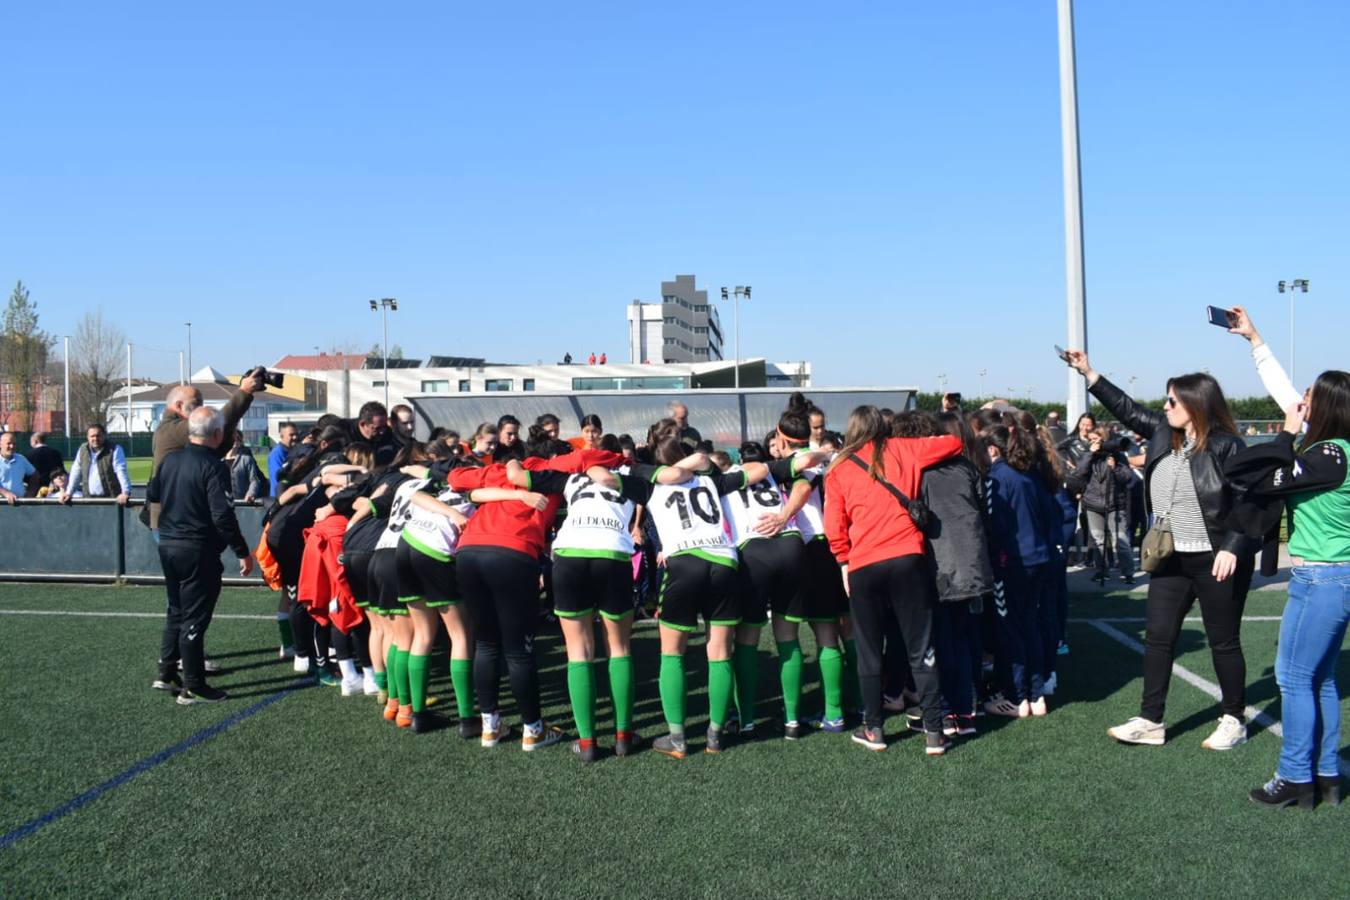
(436,387)
(377,384)
(498,384)
(527,384)
(464,385)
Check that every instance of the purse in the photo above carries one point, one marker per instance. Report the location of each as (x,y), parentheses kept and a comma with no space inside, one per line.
(1157,546)
(918,511)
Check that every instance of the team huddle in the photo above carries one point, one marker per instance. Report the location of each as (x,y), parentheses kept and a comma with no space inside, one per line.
(375,558)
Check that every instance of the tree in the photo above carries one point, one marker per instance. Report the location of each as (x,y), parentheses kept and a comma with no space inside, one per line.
(23,353)
(95,357)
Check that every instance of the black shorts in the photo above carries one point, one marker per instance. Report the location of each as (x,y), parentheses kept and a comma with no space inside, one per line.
(356,569)
(772,577)
(582,585)
(693,586)
(422,578)
(824,598)
(383,581)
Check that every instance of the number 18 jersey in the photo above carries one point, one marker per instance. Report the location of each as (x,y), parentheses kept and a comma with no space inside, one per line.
(744,508)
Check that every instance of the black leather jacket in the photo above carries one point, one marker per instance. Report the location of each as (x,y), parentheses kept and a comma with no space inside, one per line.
(1214,491)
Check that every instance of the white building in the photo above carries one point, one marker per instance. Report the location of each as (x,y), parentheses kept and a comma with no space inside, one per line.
(148,404)
(683,327)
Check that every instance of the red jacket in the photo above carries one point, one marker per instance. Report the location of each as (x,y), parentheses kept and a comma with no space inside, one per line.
(321,578)
(863,520)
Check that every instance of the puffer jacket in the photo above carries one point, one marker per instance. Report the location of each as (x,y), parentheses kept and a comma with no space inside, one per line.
(1103,488)
(1216,494)
(956,533)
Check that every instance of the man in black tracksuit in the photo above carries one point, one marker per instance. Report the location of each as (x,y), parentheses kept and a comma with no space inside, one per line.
(196,523)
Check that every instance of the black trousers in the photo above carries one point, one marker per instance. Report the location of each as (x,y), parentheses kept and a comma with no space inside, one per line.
(355,644)
(1172,591)
(905,586)
(501,589)
(311,638)
(192,581)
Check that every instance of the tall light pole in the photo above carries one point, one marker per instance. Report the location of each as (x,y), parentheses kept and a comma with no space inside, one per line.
(1073,205)
(736,293)
(128,393)
(66,337)
(1291,288)
(189,367)
(983,372)
(385,306)
(942,384)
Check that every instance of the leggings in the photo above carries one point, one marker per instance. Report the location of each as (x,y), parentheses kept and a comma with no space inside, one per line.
(905,586)
(955,638)
(1023,618)
(355,644)
(501,589)
(311,640)
(1172,591)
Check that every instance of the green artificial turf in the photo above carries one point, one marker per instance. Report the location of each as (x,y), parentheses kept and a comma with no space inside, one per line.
(139,468)
(316,794)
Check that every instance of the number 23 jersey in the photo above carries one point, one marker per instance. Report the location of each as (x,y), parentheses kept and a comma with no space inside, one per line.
(688,516)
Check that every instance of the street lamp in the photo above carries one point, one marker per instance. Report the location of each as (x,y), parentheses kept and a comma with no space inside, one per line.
(983,372)
(385,305)
(1291,288)
(737,292)
(189,369)
(942,384)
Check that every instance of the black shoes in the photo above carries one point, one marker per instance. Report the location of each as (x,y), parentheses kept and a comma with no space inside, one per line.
(1278,793)
(470,728)
(584,751)
(625,742)
(422,722)
(1329,789)
(203,694)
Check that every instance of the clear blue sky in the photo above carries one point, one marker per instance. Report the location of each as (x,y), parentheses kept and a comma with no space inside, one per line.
(887,176)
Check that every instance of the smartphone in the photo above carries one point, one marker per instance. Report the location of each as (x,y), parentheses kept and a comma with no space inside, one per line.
(1223,318)
(1061,353)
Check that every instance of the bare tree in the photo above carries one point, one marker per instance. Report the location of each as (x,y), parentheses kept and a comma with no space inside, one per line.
(23,354)
(95,354)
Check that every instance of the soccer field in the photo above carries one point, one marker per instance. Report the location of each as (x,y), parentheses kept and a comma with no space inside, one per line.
(109,788)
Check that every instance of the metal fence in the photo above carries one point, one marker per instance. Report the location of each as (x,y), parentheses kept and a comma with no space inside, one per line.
(94,541)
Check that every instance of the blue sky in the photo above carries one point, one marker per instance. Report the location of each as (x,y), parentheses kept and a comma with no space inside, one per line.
(886,176)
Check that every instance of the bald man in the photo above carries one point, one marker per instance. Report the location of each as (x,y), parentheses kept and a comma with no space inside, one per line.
(172,433)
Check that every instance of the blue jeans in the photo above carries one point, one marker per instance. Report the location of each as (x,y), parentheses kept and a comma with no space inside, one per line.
(1311,633)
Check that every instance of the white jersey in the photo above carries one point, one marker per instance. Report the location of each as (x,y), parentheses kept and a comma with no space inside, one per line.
(598,521)
(811,517)
(744,508)
(688,517)
(435,534)
(399,512)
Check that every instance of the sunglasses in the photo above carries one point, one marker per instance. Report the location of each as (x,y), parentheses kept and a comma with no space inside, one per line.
(1171,403)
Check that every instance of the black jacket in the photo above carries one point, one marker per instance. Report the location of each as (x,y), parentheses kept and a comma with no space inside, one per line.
(957,531)
(191,487)
(1103,488)
(1216,494)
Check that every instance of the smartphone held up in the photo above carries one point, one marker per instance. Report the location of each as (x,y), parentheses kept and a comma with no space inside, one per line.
(1222,318)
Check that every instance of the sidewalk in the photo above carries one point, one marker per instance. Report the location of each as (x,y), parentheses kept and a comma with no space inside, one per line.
(1080,580)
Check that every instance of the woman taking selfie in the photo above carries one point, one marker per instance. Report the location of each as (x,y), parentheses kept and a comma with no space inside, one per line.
(1189,496)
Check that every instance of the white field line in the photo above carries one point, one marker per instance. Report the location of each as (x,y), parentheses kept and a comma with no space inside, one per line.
(1125,620)
(1186,675)
(89,614)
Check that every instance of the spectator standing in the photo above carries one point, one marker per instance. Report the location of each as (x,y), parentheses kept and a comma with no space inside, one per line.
(99,469)
(287,436)
(1055,427)
(371,426)
(16,472)
(403,424)
(196,523)
(687,434)
(603,359)
(47,460)
(1104,479)
(246,481)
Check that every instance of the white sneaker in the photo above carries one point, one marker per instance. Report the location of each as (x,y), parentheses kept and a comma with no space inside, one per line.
(1050,684)
(301,665)
(351,687)
(1024,709)
(999,705)
(1230,733)
(1039,707)
(368,685)
(1140,731)
(285,652)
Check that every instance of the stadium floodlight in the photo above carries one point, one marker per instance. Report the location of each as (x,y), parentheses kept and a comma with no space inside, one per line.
(741,290)
(385,305)
(1291,288)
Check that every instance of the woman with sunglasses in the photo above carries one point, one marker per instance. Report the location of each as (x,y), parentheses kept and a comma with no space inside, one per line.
(1185,488)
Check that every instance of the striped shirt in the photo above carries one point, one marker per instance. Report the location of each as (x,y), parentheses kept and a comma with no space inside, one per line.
(1172,493)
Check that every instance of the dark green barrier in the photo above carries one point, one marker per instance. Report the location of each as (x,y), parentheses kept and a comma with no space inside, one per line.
(93,540)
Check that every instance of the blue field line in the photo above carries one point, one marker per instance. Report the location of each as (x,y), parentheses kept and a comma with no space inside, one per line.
(139,768)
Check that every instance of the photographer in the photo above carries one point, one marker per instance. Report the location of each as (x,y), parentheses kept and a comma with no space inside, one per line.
(1103,478)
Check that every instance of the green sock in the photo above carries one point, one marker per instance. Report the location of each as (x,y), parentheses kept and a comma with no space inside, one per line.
(461,676)
(382,681)
(720,680)
(672,689)
(852,693)
(621,689)
(745,661)
(790,663)
(581,688)
(401,678)
(391,671)
(284,626)
(831,674)
(417,681)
